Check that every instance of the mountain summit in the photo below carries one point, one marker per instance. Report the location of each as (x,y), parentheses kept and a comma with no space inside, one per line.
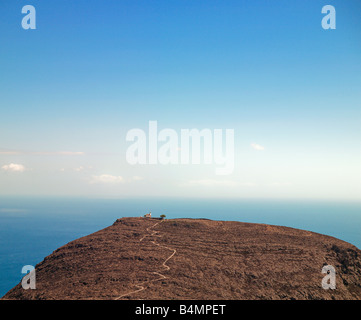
(147,258)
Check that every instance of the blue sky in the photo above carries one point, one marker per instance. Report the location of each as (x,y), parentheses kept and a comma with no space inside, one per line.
(92,70)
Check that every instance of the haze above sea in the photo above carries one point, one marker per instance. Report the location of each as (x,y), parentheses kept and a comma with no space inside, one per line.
(32,228)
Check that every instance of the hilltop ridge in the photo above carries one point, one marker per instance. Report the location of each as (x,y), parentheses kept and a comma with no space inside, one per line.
(142,258)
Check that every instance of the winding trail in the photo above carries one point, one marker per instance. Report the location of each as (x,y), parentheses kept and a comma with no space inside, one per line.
(162,276)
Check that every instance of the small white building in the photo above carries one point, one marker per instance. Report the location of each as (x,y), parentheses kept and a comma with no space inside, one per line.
(148,215)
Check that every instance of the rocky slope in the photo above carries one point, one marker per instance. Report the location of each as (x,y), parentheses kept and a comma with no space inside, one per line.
(138,258)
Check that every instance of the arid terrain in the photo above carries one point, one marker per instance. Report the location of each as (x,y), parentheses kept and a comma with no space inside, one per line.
(142,258)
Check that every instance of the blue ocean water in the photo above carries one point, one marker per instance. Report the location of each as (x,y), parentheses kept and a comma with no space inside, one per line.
(32,228)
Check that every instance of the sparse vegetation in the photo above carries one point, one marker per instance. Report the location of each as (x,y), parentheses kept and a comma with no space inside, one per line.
(162,216)
(196,259)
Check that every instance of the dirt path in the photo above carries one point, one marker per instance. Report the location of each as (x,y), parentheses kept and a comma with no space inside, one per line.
(162,277)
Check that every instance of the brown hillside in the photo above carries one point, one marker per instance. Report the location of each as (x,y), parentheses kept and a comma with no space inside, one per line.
(138,258)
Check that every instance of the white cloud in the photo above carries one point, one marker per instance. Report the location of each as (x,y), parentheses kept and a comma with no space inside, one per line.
(13,167)
(106,178)
(257,146)
(81,168)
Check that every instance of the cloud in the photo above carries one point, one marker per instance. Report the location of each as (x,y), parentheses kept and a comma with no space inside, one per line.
(257,146)
(13,167)
(77,169)
(106,178)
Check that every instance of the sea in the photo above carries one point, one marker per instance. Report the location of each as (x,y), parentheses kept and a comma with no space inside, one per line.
(32,228)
